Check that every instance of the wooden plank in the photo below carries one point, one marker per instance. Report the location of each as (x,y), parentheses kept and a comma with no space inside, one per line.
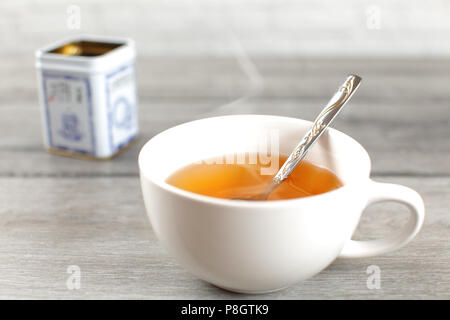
(402,138)
(100,225)
(401,80)
(60,211)
(264,27)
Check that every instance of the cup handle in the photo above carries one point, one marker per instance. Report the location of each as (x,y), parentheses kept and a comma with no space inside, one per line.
(380,192)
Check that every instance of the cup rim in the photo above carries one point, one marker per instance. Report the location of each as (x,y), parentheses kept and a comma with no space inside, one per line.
(242,203)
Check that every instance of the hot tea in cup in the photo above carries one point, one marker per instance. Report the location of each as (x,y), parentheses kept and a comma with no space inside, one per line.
(235,180)
(263,246)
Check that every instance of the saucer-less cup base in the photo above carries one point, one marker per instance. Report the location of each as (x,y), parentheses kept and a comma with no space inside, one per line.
(258,247)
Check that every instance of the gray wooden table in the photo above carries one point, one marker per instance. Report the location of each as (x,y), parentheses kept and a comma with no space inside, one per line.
(57,211)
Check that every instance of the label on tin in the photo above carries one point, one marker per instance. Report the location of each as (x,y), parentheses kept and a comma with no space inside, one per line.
(122,113)
(68,112)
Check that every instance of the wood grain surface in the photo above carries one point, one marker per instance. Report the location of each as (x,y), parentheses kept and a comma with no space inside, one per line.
(57,211)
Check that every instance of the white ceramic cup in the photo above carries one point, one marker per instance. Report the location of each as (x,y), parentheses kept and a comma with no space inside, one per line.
(264,246)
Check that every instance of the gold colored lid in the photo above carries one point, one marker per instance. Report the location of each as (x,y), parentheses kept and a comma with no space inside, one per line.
(86,48)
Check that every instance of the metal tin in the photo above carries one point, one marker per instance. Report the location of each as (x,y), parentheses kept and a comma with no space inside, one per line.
(88,96)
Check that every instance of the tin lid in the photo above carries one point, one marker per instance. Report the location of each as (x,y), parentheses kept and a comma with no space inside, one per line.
(86,53)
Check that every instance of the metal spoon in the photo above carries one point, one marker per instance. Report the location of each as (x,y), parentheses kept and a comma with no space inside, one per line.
(323,120)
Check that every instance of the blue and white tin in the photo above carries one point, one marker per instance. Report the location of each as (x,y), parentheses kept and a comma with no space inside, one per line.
(88,95)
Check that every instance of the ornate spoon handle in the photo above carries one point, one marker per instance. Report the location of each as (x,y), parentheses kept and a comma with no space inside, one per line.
(322,121)
(326,116)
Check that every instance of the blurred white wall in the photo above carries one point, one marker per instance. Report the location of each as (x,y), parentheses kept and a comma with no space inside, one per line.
(353,28)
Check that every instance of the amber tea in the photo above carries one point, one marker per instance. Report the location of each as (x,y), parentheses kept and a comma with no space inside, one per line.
(229,181)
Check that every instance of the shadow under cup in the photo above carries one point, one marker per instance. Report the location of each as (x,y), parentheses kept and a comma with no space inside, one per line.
(253,246)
